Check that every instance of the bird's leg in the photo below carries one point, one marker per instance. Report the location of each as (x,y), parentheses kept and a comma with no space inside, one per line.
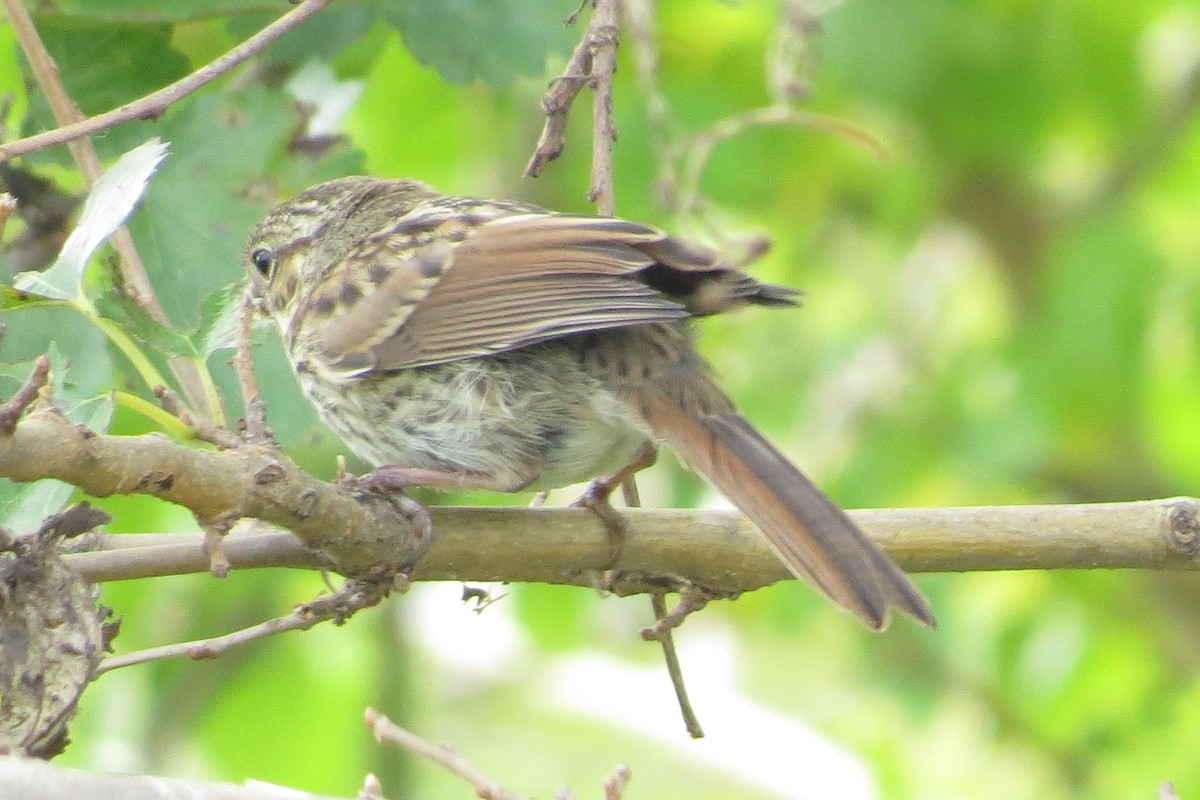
(597,496)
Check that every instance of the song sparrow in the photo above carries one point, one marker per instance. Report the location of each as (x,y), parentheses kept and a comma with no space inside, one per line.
(480,343)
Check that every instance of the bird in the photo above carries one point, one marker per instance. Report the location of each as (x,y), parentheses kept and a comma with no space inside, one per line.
(465,342)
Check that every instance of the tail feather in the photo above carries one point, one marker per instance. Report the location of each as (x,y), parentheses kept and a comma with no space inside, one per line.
(815,539)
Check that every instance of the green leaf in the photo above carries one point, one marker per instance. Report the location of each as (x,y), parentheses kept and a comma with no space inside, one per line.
(12,299)
(144,11)
(109,204)
(490,40)
(220,315)
(23,506)
(195,218)
(136,321)
(323,38)
(106,65)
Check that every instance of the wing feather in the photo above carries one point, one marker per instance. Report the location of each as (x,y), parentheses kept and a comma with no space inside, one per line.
(513,281)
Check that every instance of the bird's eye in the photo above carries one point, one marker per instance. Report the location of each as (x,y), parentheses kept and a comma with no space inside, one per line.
(263,259)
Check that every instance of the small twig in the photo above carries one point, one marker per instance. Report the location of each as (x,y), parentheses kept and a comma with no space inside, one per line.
(8,204)
(1139,157)
(203,429)
(337,607)
(557,105)
(46,72)
(153,105)
(614,785)
(11,411)
(792,54)
(257,431)
(605,32)
(691,600)
(593,63)
(703,144)
(485,787)
(665,638)
(214,546)
(75,521)
(371,789)
(641,23)
(674,669)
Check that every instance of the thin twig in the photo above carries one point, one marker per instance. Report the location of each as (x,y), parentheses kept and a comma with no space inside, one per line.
(702,145)
(257,431)
(664,637)
(203,429)
(641,24)
(45,70)
(8,204)
(691,600)
(792,54)
(447,757)
(11,411)
(674,668)
(614,785)
(75,521)
(153,105)
(371,789)
(557,105)
(605,32)
(354,596)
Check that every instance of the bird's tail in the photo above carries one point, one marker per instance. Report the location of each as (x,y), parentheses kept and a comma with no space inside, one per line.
(815,539)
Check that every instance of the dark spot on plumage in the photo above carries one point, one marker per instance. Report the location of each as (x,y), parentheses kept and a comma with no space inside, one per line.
(302,366)
(377,273)
(414,224)
(473,220)
(429,265)
(350,294)
(551,440)
(675,283)
(324,305)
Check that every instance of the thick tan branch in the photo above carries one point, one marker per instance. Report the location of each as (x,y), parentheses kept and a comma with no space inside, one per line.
(717,549)
(356,531)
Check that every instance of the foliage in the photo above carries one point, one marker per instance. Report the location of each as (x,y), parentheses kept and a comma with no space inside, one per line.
(1002,311)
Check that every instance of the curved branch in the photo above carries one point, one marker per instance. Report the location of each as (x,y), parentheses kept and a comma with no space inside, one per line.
(355,531)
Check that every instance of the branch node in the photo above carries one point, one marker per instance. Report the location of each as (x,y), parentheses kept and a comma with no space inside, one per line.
(203,429)
(691,599)
(1183,527)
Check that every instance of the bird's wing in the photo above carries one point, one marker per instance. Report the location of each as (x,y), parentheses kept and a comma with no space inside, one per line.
(465,290)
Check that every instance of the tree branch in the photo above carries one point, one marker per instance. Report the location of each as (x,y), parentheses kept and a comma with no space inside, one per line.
(718,550)
(133,270)
(152,105)
(356,531)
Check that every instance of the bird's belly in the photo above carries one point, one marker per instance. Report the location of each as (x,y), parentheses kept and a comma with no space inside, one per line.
(530,419)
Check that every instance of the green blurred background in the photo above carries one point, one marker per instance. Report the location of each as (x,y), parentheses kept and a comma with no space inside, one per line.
(1003,310)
